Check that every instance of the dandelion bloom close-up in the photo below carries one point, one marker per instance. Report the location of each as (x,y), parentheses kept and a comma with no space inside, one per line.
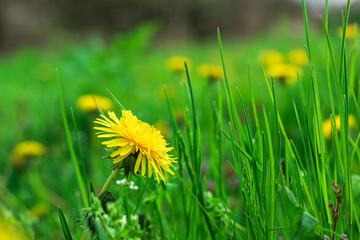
(138,141)
(327,126)
(91,103)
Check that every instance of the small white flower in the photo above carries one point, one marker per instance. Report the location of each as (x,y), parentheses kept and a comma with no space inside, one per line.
(123,220)
(121,182)
(132,183)
(136,188)
(134,218)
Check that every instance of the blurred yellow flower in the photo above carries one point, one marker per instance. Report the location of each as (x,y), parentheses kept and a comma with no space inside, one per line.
(270,57)
(176,63)
(135,143)
(25,150)
(351,30)
(298,57)
(287,73)
(327,128)
(213,72)
(87,103)
(11,232)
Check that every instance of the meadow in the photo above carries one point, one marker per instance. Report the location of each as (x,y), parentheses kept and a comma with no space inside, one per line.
(264,131)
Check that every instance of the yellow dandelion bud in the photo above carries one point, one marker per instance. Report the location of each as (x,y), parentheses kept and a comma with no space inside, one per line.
(286,73)
(176,63)
(137,145)
(351,30)
(25,150)
(298,57)
(91,102)
(327,127)
(270,57)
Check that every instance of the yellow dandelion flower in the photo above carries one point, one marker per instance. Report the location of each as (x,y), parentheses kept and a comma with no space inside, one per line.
(298,57)
(327,127)
(176,63)
(137,145)
(213,72)
(25,150)
(203,70)
(270,57)
(351,30)
(286,73)
(87,103)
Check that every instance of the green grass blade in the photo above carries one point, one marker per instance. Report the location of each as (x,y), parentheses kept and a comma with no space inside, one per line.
(71,148)
(64,226)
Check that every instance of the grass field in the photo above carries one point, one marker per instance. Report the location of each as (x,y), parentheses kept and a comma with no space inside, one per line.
(258,142)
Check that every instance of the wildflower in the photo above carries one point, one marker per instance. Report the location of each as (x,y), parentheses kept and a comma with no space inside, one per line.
(212,72)
(351,30)
(24,150)
(176,63)
(135,143)
(270,57)
(327,128)
(121,182)
(287,73)
(91,103)
(123,220)
(134,187)
(298,57)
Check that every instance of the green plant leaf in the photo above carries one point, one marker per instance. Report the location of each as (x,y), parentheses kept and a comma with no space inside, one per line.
(64,225)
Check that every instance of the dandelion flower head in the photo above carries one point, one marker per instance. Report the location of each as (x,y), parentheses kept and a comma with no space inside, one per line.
(176,63)
(298,57)
(24,150)
(136,145)
(327,127)
(213,72)
(286,73)
(351,30)
(270,57)
(91,102)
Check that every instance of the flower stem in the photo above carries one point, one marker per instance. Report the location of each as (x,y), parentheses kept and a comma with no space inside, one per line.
(336,216)
(110,180)
(106,187)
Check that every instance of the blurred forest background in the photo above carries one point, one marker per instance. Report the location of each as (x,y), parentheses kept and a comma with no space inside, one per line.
(36,22)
